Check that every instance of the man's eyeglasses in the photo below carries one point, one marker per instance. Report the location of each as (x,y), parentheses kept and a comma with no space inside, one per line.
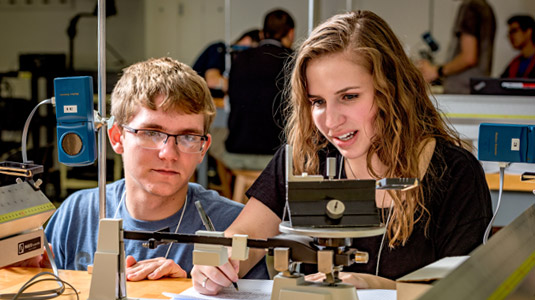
(152,139)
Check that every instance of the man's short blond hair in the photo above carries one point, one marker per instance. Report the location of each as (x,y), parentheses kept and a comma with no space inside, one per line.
(180,85)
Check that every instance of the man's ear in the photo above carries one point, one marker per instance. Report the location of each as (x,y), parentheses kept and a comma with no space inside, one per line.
(207,145)
(114,134)
(288,40)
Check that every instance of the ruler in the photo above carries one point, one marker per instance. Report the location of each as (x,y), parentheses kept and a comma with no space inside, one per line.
(493,270)
(30,211)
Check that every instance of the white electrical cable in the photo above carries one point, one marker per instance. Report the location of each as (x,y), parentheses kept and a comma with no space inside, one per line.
(489,227)
(123,196)
(386,225)
(43,294)
(25,160)
(27,125)
(177,226)
(383,238)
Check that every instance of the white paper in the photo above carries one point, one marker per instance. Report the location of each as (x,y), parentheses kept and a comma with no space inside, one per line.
(377,294)
(261,290)
(249,289)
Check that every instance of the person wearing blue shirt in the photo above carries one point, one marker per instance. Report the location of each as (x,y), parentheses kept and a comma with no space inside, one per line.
(162,112)
(211,63)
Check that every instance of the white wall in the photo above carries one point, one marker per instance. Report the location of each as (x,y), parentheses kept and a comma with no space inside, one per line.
(182,28)
(186,27)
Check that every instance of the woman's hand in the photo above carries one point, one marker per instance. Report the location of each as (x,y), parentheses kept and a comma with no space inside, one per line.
(210,280)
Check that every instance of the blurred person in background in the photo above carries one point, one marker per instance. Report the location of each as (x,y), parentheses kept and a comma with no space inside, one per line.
(520,33)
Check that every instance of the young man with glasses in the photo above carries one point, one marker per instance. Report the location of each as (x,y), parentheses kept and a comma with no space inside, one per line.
(522,38)
(162,112)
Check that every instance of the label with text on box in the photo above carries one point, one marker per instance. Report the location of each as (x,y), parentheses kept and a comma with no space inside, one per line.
(70,109)
(29,245)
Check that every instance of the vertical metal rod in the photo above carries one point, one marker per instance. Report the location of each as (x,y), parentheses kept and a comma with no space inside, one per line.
(431,15)
(310,16)
(102,106)
(227,38)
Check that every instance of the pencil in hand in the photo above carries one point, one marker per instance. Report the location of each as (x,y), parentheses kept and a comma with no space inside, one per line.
(235,284)
(210,227)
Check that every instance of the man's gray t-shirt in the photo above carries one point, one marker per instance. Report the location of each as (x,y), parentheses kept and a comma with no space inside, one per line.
(476,18)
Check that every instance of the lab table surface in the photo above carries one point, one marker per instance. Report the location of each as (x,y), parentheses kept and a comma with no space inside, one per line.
(11,279)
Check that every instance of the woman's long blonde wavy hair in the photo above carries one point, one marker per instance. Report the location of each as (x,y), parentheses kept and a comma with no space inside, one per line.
(406,116)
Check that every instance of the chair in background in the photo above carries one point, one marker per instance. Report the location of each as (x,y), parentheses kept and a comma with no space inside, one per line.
(233,181)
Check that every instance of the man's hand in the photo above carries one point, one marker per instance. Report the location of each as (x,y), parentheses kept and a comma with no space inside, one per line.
(210,280)
(154,268)
(429,71)
(358,280)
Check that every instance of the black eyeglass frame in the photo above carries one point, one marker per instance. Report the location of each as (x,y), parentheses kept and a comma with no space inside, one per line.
(204,138)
